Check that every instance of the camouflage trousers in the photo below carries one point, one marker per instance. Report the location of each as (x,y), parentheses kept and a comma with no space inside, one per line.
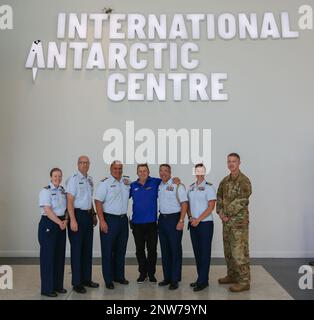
(236,249)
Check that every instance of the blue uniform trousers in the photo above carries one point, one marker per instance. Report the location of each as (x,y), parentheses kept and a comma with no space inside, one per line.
(82,248)
(171,246)
(113,247)
(52,255)
(201,237)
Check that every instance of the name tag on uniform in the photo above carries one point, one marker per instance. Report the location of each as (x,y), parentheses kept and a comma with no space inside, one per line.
(113,185)
(170,188)
(201,188)
(148,188)
(81,182)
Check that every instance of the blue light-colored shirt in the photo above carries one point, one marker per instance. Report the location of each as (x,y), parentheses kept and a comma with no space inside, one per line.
(81,188)
(114,195)
(145,200)
(199,195)
(54,197)
(167,196)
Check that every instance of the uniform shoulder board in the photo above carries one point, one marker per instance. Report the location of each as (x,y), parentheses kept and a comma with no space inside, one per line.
(104,179)
(210,184)
(191,185)
(47,187)
(74,175)
(62,188)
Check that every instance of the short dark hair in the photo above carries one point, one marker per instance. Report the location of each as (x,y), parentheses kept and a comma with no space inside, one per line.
(234,154)
(115,162)
(142,165)
(54,170)
(165,165)
(198,165)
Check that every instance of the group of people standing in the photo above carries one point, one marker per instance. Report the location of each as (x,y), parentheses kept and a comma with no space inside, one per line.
(74,208)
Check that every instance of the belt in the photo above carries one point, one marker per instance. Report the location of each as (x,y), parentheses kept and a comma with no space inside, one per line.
(60,217)
(115,215)
(84,210)
(169,214)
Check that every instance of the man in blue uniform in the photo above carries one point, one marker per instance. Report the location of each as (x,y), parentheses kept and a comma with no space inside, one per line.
(111,201)
(172,207)
(52,235)
(79,190)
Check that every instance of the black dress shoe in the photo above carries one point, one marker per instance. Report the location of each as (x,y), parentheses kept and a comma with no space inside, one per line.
(173,286)
(62,290)
(200,287)
(79,289)
(91,284)
(50,295)
(124,281)
(141,278)
(110,285)
(163,283)
(152,279)
(193,284)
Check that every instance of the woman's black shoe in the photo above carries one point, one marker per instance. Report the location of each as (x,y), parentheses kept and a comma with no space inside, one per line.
(193,284)
(163,283)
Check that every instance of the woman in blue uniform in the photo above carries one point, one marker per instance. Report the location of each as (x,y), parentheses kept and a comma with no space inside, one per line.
(202,199)
(52,235)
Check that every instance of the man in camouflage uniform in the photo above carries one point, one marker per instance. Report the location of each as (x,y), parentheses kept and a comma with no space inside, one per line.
(232,206)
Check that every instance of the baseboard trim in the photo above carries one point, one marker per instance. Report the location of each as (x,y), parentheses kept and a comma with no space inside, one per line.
(186,254)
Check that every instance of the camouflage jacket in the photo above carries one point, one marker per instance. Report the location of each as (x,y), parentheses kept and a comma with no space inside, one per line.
(233,198)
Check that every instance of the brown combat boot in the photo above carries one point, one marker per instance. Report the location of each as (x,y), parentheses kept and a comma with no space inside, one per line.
(226,280)
(239,287)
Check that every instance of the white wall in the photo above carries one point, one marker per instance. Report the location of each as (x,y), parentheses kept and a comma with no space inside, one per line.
(268,120)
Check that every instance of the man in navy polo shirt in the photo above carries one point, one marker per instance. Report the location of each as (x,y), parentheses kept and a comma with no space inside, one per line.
(144,192)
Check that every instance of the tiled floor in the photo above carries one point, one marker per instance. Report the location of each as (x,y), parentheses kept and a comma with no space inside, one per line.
(26,286)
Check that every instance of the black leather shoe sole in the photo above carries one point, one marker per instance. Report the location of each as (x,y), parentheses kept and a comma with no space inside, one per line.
(200,287)
(50,295)
(163,283)
(173,286)
(122,281)
(62,291)
(141,279)
(110,286)
(193,284)
(91,284)
(79,289)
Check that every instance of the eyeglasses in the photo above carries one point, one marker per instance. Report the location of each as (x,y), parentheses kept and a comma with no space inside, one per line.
(84,162)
